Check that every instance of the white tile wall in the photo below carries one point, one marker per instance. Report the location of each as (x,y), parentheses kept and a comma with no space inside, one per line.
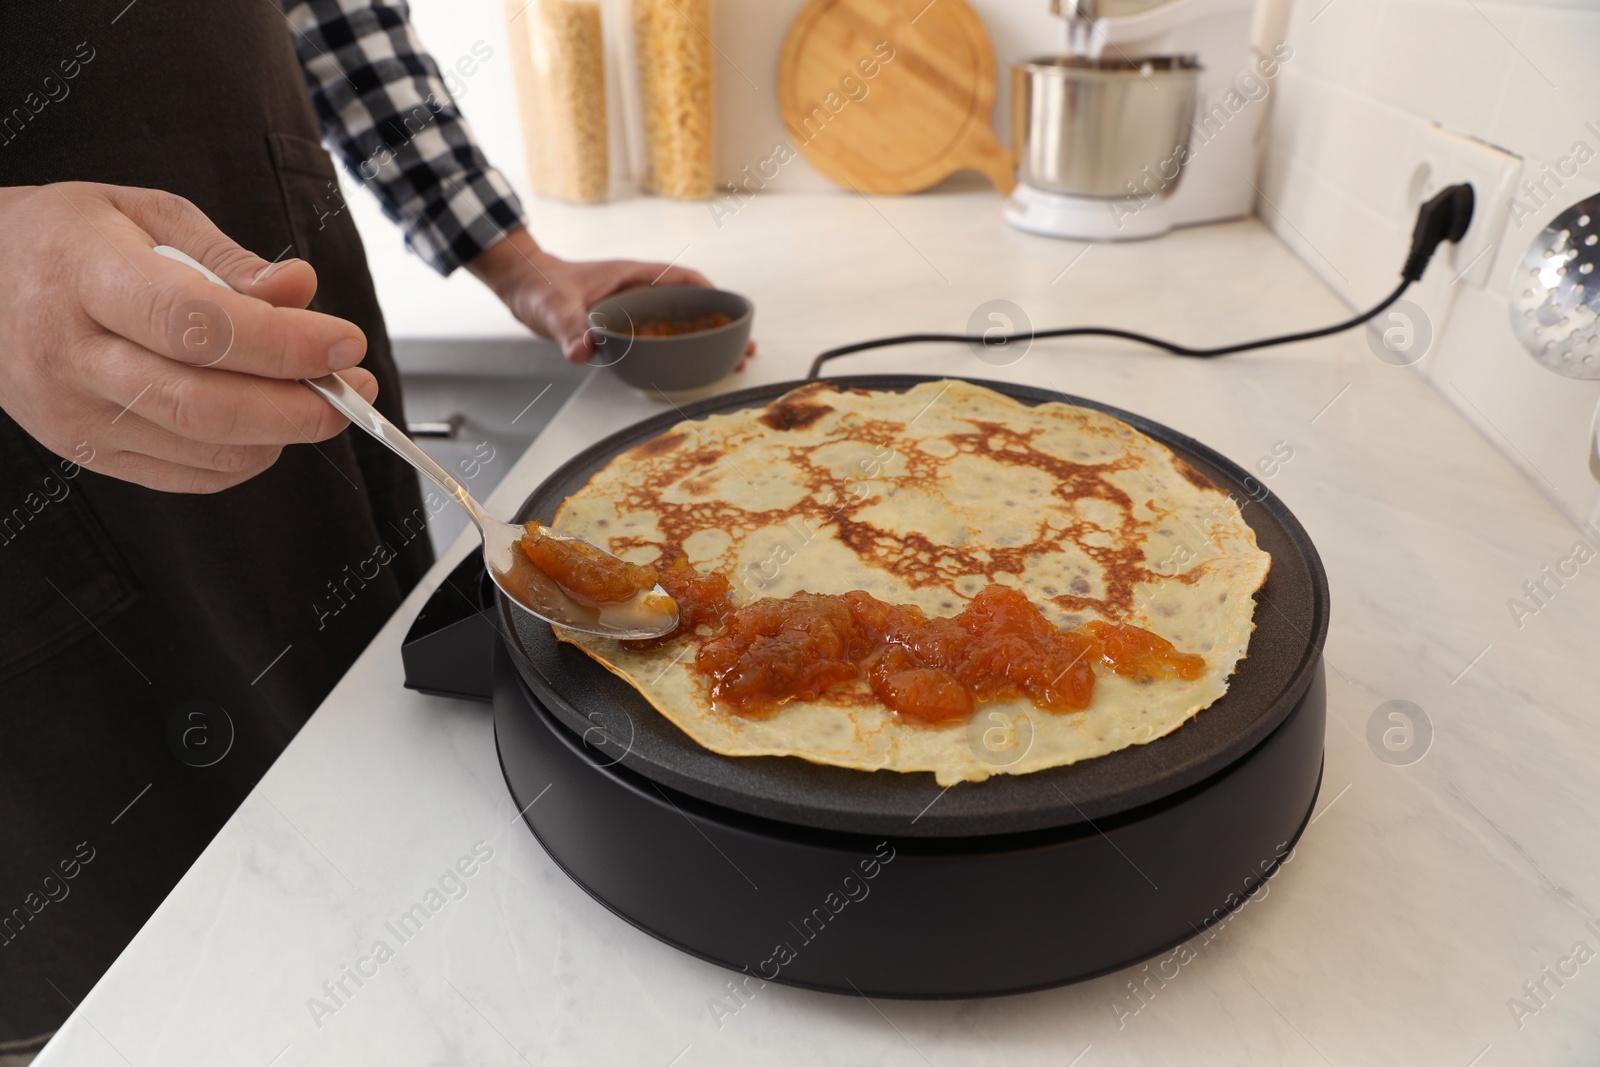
(1367,78)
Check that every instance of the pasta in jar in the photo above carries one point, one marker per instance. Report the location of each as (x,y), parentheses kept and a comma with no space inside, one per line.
(673,43)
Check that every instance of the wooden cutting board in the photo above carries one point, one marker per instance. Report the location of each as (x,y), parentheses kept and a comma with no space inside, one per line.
(890,96)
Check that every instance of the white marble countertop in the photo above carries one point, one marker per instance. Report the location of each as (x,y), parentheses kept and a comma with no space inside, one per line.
(1420,900)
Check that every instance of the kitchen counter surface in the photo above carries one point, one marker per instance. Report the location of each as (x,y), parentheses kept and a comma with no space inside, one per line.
(1419,902)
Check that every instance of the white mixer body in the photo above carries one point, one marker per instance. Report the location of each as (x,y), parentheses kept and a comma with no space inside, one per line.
(1220,173)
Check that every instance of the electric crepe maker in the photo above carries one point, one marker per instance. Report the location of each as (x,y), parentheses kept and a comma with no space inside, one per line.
(883,883)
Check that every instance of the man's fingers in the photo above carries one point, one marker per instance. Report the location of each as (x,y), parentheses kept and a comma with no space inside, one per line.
(681,276)
(163,475)
(287,283)
(139,435)
(282,281)
(632,274)
(363,381)
(183,316)
(169,308)
(217,406)
(568,323)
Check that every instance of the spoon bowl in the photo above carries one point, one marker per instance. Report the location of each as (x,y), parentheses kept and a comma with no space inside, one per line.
(648,613)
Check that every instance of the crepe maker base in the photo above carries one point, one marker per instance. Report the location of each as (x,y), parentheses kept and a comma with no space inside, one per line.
(906,916)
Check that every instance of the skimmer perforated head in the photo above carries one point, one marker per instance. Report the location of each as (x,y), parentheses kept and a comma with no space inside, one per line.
(1555,294)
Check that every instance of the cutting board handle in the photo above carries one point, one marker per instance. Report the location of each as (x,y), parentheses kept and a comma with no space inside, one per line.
(985,154)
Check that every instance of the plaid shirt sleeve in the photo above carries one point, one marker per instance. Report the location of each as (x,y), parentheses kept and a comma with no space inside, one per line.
(386,113)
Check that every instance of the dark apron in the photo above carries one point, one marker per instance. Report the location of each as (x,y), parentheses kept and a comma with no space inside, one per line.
(159,650)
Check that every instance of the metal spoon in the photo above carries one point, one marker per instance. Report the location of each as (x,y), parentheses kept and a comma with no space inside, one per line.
(1555,301)
(650,613)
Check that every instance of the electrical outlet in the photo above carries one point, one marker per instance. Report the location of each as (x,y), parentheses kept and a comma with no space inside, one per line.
(1446,159)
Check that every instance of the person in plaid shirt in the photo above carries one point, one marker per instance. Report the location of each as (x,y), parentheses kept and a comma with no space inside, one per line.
(178,511)
(384,108)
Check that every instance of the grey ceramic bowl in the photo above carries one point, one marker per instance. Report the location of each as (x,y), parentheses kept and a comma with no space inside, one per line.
(670,364)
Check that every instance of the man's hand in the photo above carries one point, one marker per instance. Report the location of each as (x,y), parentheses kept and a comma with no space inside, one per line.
(552,296)
(135,366)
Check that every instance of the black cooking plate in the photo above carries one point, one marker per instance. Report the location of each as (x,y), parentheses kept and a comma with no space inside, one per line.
(619,725)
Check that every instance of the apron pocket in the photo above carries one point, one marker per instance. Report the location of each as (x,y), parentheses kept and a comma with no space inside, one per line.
(60,575)
(319,219)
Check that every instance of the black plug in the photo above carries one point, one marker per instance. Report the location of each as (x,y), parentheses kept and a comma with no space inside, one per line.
(1444,218)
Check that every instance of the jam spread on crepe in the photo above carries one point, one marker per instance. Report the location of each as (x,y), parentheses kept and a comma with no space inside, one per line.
(932,670)
(763,654)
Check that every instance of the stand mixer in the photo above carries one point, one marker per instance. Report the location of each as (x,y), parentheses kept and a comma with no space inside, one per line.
(1149,120)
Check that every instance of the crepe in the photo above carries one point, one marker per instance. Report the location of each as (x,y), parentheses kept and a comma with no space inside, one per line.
(925,497)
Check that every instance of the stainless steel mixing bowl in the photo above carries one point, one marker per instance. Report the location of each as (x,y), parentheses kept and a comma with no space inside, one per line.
(1107,128)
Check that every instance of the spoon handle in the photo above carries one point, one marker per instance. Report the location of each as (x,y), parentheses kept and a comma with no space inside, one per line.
(353,406)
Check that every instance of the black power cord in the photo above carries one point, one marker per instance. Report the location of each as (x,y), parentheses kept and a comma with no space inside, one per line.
(1444,218)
